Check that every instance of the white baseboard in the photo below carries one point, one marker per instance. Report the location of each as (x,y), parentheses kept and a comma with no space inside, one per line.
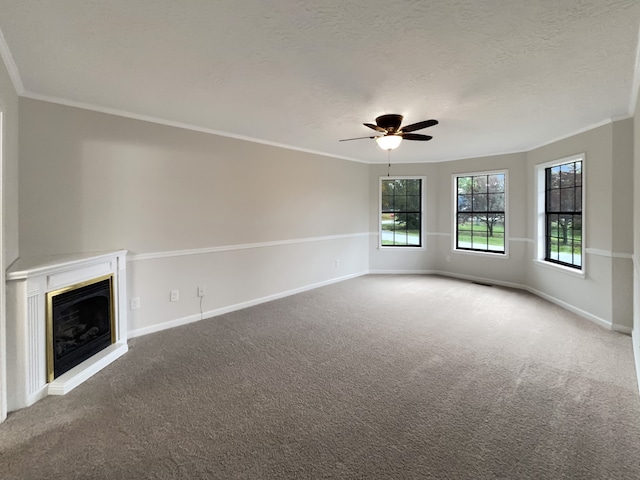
(402,272)
(490,281)
(622,329)
(238,306)
(561,303)
(567,306)
(138,332)
(231,308)
(250,303)
(635,342)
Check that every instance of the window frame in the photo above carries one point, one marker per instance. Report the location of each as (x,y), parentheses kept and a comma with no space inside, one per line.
(423,189)
(541,220)
(454,216)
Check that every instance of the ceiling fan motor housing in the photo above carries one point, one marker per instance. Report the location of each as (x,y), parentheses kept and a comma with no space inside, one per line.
(390,122)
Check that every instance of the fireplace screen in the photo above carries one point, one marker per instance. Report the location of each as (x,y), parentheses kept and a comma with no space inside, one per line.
(80,323)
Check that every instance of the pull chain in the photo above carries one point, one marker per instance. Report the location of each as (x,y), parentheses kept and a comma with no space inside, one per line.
(389,165)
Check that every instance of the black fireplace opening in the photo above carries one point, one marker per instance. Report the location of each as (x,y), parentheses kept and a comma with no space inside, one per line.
(81,324)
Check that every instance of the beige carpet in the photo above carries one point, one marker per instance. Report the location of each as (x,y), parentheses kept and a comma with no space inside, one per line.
(377,377)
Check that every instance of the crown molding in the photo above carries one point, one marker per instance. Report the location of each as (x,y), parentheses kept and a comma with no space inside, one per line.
(456,159)
(619,118)
(572,134)
(14,74)
(171,123)
(195,128)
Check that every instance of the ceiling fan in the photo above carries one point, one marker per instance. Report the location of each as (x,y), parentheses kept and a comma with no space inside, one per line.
(393,133)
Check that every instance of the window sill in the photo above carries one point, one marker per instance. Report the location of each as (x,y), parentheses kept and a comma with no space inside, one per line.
(395,248)
(480,254)
(573,272)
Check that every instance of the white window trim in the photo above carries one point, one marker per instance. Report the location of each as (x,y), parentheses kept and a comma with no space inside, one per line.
(454,211)
(423,196)
(540,216)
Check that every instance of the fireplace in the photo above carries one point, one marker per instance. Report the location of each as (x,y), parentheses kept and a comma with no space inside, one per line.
(80,323)
(66,321)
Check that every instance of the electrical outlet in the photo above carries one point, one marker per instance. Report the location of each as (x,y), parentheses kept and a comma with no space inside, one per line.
(337,262)
(135,303)
(175,295)
(202,291)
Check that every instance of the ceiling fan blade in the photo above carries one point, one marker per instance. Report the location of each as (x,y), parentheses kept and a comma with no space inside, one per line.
(375,127)
(416,136)
(419,126)
(358,138)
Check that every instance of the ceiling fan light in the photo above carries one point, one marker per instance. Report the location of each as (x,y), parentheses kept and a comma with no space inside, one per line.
(388,142)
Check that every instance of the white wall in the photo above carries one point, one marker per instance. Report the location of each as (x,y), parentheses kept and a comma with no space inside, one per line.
(9,205)
(247,220)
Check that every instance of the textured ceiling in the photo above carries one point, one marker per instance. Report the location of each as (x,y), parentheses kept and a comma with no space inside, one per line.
(500,76)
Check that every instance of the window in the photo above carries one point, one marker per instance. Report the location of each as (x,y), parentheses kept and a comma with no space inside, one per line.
(563,213)
(480,201)
(401,211)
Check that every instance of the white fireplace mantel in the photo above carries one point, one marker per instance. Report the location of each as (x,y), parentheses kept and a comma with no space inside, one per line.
(29,280)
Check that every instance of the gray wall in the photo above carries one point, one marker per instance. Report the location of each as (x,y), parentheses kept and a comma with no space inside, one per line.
(399,260)
(9,205)
(504,269)
(439,255)
(622,224)
(247,220)
(605,294)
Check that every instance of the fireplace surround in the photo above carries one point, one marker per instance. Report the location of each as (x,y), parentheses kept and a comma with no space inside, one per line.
(80,323)
(88,293)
